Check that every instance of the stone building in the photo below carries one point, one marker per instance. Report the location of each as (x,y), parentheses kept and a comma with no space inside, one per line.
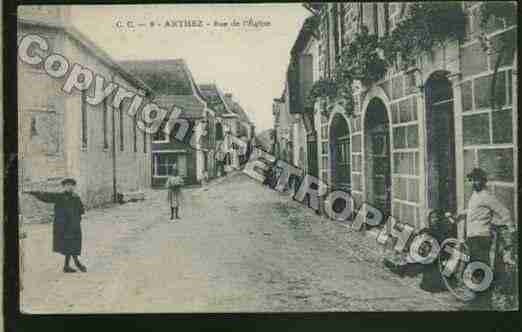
(414,134)
(289,111)
(61,135)
(216,101)
(300,78)
(283,123)
(174,85)
(265,140)
(239,126)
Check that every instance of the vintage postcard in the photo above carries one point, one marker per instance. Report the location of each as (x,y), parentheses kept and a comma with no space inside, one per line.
(289,157)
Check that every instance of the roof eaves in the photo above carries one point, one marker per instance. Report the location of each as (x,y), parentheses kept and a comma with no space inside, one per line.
(195,88)
(91,46)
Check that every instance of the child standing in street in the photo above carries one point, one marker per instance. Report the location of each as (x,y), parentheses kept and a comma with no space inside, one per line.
(67,231)
(173,184)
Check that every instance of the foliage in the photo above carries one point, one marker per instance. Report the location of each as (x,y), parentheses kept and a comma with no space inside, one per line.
(501,9)
(427,25)
(360,60)
(323,88)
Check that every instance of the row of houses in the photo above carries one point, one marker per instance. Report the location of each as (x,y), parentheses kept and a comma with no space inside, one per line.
(408,139)
(61,135)
(212,115)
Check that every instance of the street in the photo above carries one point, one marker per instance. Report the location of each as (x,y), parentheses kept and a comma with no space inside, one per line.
(239,246)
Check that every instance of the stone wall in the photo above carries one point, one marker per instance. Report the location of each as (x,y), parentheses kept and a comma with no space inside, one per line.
(484,137)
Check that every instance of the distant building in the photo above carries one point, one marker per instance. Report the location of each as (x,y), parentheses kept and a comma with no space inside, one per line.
(265,140)
(174,86)
(62,135)
(220,126)
(283,123)
(239,124)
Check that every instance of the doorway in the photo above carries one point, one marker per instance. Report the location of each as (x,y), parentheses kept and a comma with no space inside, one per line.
(377,156)
(440,147)
(340,161)
(340,154)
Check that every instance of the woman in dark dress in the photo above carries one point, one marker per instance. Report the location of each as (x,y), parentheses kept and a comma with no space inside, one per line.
(67,232)
(440,229)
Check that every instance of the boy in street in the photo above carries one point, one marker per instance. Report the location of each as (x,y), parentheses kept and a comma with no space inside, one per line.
(67,232)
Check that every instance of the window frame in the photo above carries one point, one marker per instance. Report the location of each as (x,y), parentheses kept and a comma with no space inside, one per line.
(177,153)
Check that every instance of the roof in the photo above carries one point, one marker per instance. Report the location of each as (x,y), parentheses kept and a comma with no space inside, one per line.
(166,77)
(90,46)
(173,83)
(191,107)
(265,139)
(307,31)
(230,104)
(214,98)
(241,112)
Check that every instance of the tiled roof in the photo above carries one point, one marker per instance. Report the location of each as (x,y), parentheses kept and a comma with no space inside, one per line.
(229,103)
(265,139)
(165,77)
(236,108)
(305,33)
(172,83)
(191,106)
(241,112)
(214,98)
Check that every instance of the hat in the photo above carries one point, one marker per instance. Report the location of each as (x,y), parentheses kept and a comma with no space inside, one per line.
(477,173)
(68,181)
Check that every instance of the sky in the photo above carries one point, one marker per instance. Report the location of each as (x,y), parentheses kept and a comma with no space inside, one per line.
(249,62)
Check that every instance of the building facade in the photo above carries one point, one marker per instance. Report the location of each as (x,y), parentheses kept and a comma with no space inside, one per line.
(175,87)
(238,126)
(222,121)
(294,139)
(413,135)
(283,126)
(62,135)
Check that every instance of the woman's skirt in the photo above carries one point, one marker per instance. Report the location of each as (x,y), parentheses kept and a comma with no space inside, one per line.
(174,198)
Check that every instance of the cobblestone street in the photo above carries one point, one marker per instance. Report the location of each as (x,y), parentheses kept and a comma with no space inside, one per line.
(238,247)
